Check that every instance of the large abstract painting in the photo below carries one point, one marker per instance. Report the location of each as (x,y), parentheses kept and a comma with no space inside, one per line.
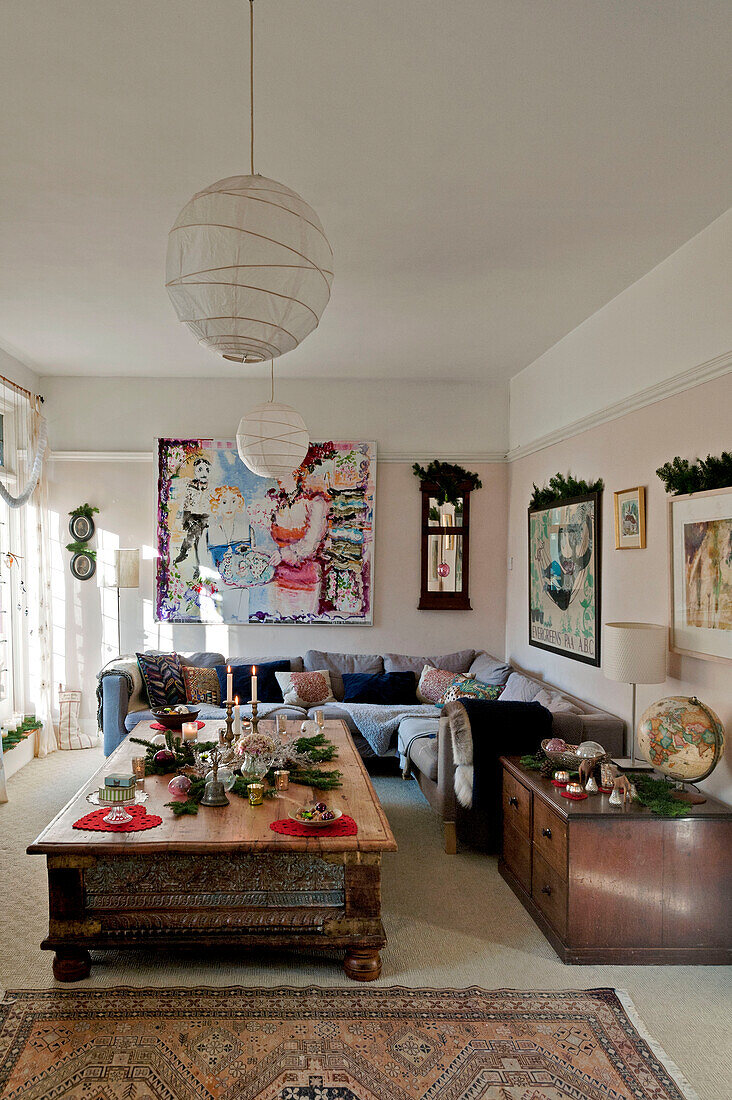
(701,566)
(237,548)
(564,578)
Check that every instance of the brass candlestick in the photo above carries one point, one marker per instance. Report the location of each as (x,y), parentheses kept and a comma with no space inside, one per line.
(228,737)
(255,720)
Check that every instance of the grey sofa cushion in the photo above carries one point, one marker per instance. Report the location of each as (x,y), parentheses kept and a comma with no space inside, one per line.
(452,662)
(410,728)
(489,670)
(423,755)
(338,663)
(295,662)
(203,659)
(519,689)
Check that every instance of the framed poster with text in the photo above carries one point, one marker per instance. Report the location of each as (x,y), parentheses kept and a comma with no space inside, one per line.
(564,578)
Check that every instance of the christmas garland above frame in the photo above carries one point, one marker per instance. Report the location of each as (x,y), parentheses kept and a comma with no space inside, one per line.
(563,488)
(681,476)
(449,479)
(177,755)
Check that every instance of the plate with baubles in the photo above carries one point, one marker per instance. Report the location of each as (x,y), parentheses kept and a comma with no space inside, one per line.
(569,757)
(316,815)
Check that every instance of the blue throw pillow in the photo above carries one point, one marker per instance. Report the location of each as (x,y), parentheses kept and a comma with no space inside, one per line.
(390,689)
(268,690)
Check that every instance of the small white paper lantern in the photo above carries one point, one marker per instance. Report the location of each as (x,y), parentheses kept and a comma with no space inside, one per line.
(272,439)
(249,268)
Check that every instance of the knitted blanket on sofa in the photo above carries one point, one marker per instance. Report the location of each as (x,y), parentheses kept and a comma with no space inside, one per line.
(378,723)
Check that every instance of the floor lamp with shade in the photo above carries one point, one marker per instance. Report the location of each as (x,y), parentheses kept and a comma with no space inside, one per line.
(634,653)
(126,575)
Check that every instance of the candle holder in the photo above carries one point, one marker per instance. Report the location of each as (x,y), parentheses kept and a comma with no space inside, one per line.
(227,738)
(255,719)
(282,779)
(255,792)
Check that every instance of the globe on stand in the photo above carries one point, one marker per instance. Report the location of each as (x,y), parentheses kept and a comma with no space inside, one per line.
(682,738)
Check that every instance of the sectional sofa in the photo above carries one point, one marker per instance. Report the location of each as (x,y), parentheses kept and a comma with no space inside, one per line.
(123,704)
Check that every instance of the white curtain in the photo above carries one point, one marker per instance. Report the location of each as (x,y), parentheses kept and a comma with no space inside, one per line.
(30,544)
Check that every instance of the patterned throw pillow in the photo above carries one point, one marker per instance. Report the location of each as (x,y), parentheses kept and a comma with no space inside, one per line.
(434,682)
(163,678)
(472,689)
(201,682)
(306,689)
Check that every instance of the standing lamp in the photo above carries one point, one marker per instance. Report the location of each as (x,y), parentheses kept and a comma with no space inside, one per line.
(634,653)
(126,575)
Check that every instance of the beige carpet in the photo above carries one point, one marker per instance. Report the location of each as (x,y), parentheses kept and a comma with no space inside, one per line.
(451,921)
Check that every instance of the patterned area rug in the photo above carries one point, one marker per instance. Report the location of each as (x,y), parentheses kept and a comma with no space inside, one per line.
(328,1044)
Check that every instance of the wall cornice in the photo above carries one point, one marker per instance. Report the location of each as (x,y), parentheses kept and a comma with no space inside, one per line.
(382,456)
(685,380)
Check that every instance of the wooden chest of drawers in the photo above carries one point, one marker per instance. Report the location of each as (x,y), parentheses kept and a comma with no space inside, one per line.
(614,885)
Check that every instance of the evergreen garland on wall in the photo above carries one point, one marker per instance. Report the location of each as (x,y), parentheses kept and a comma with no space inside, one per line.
(563,488)
(448,478)
(681,476)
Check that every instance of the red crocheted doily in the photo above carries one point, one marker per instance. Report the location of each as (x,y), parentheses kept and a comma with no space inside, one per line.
(574,797)
(344,826)
(140,820)
(164,729)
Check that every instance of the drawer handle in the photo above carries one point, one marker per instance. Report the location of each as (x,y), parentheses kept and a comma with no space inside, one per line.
(513,801)
(546,889)
(546,833)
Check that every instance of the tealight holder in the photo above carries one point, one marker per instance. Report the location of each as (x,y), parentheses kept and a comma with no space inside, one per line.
(561,777)
(138,768)
(282,779)
(574,788)
(256,794)
(591,785)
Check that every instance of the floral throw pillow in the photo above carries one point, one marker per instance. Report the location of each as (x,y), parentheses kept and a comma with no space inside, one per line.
(305,689)
(202,685)
(472,689)
(434,682)
(163,678)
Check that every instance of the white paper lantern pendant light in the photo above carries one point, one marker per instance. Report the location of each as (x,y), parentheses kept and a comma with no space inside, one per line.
(272,439)
(249,268)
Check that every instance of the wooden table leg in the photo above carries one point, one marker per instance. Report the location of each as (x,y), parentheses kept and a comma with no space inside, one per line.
(71,964)
(362,964)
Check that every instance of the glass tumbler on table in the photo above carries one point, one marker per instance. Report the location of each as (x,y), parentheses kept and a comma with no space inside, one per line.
(138,768)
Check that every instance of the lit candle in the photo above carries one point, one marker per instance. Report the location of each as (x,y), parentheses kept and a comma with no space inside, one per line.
(190,731)
(229,685)
(237,719)
(254,683)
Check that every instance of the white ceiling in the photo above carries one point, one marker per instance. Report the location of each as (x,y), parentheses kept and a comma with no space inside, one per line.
(489,172)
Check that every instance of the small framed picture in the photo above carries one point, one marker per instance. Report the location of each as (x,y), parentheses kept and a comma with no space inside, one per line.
(630,519)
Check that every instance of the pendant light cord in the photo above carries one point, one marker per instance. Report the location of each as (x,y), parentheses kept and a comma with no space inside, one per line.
(251,80)
(271,375)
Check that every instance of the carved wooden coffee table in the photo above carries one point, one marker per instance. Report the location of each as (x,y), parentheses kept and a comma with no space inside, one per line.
(222,878)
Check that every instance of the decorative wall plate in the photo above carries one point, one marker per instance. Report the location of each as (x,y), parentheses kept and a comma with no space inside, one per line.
(81,527)
(83,566)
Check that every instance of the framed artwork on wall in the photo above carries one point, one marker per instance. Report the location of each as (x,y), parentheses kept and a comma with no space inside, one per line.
(564,578)
(236,548)
(700,549)
(630,518)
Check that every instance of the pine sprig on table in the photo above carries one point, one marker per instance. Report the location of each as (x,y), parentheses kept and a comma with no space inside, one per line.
(318,749)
